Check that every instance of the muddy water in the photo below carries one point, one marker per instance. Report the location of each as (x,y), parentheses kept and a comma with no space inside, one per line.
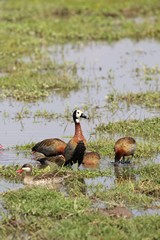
(104,69)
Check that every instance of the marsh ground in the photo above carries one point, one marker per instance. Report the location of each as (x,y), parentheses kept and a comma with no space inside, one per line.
(53,60)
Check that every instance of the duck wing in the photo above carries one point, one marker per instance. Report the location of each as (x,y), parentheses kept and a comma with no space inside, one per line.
(50,147)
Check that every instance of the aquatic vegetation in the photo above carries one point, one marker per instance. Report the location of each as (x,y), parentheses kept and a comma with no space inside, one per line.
(27,73)
(29,82)
(40,205)
(72,214)
(148,99)
(25,147)
(10,171)
(23,113)
(150,171)
(148,128)
(105,148)
(45,114)
(148,73)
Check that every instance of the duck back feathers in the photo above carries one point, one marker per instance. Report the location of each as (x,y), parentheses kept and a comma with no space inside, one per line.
(50,147)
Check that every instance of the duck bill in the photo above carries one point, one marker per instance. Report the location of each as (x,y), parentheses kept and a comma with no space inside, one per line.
(19,171)
(84,116)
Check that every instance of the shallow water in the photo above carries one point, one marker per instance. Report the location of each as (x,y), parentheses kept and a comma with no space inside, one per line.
(96,63)
(104,182)
(10,157)
(104,69)
(6,185)
(145,212)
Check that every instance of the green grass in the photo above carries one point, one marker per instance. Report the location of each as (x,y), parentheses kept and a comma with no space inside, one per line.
(148,99)
(45,214)
(146,133)
(145,150)
(26,29)
(84,226)
(148,129)
(42,213)
(44,204)
(148,73)
(29,82)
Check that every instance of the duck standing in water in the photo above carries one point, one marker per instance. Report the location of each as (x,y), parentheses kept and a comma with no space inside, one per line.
(58,152)
(45,180)
(75,149)
(125,146)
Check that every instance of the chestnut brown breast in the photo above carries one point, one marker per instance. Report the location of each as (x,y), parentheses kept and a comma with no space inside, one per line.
(76,147)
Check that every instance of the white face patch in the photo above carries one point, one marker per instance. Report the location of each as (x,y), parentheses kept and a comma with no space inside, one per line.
(78,113)
(26,169)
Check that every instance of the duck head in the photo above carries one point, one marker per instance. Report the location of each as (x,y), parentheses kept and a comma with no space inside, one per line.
(77,114)
(25,168)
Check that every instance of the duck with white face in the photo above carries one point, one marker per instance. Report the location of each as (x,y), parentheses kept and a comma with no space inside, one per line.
(75,149)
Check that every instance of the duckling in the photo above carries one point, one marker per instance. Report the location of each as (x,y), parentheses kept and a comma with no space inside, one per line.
(91,159)
(125,146)
(50,147)
(76,147)
(47,179)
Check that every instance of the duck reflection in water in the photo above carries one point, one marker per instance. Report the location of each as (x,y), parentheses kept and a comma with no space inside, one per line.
(124,173)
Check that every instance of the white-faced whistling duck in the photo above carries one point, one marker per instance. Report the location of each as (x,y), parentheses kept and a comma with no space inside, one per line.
(91,159)
(125,146)
(45,180)
(76,147)
(50,147)
(57,160)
